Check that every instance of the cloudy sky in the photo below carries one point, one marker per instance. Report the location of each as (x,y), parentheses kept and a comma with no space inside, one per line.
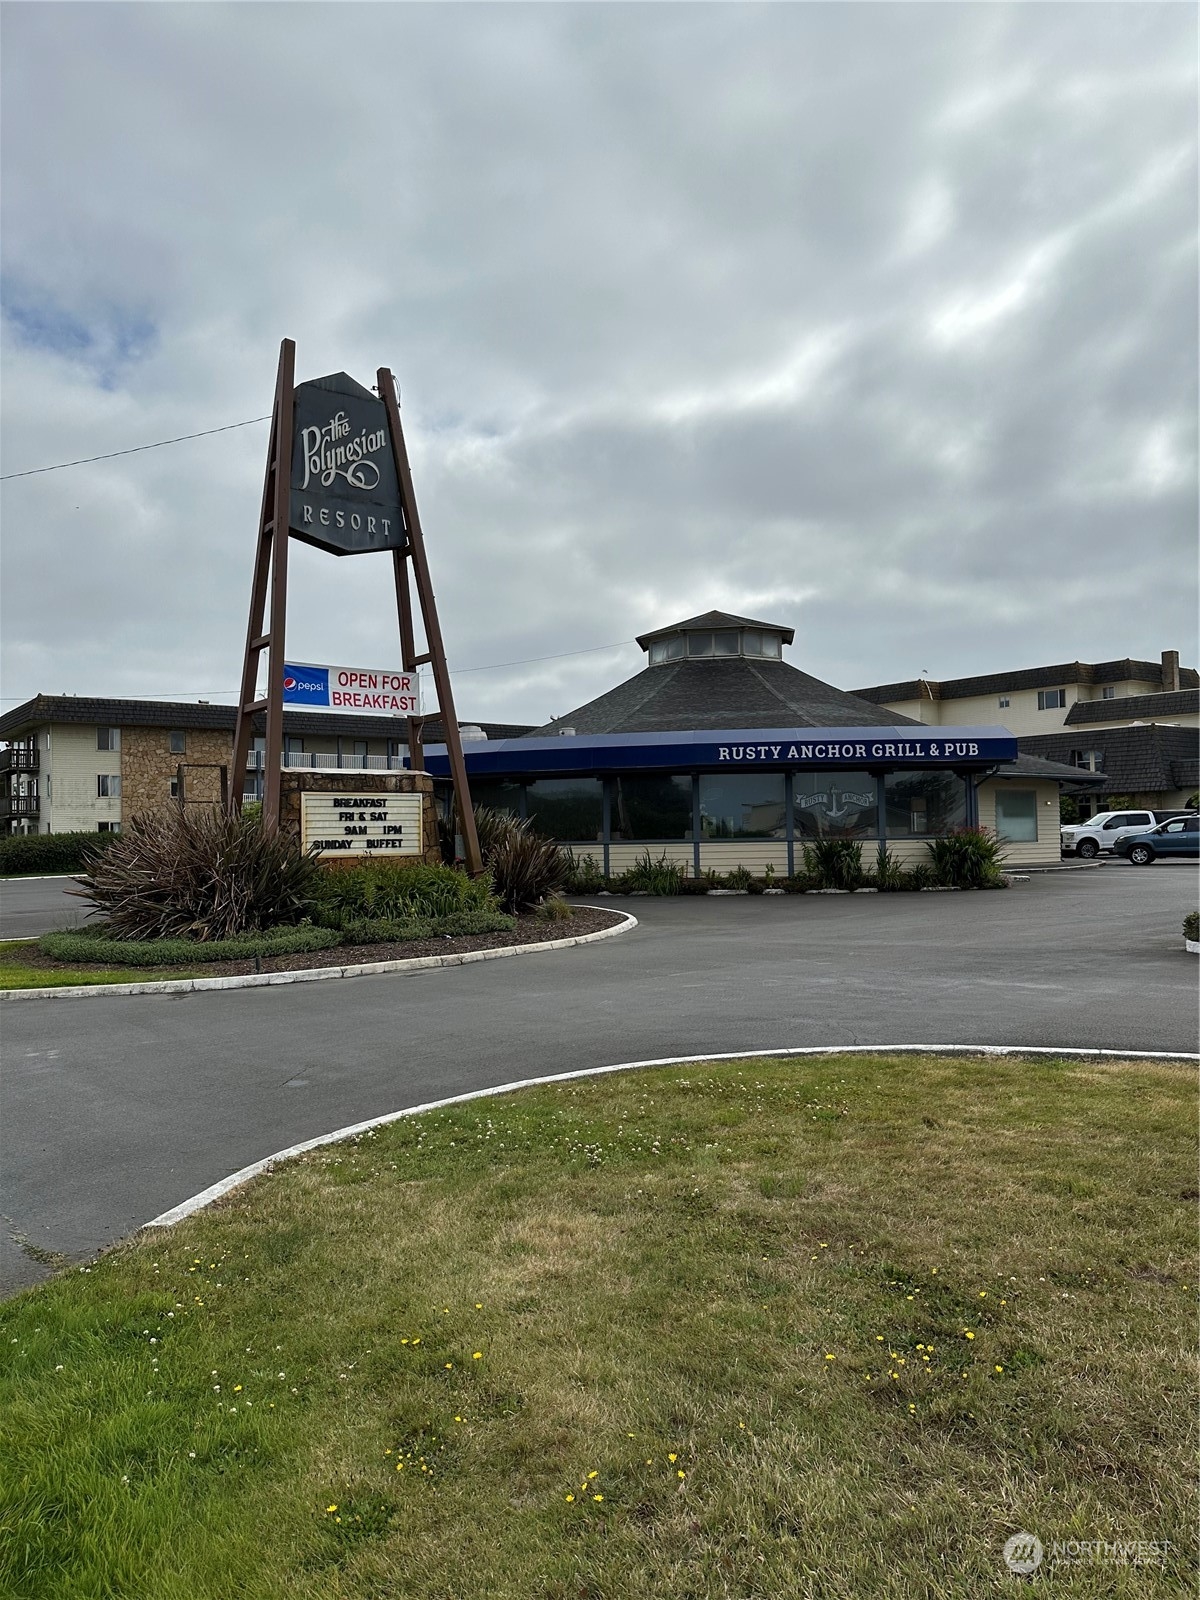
(875,320)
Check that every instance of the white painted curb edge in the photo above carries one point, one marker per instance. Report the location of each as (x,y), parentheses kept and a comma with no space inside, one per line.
(261,980)
(235,1180)
(1192,946)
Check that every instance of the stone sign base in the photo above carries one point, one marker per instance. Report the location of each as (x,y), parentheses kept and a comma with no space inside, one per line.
(334,809)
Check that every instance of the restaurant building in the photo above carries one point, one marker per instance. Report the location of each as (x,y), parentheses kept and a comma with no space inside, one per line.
(719,754)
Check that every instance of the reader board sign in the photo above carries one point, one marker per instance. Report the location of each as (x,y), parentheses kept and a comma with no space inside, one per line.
(350,824)
(351,689)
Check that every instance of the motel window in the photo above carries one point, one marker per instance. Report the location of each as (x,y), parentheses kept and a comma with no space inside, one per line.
(1004,702)
(566,808)
(919,804)
(108,738)
(652,808)
(497,796)
(178,739)
(1109,692)
(1016,815)
(835,805)
(1051,699)
(108,786)
(360,751)
(743,805)
(108,827)
(1089,760)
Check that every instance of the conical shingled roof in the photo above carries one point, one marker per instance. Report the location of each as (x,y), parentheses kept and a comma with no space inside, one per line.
(722,692)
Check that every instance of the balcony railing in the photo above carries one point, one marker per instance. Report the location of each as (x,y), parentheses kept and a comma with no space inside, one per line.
(18,758)
(19,805)
(317,761)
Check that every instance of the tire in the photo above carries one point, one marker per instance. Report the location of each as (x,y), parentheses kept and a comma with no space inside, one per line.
(1088,849)
(1141,855)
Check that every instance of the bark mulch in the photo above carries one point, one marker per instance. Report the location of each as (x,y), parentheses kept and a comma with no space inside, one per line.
(529,930)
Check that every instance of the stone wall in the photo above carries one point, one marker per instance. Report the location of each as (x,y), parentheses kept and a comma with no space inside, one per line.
(149,766)
(294,783)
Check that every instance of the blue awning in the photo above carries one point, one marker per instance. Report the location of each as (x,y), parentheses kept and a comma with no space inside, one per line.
(725,750)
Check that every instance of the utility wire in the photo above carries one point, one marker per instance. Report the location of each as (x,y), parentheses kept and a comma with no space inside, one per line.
(495,666)
(133,449)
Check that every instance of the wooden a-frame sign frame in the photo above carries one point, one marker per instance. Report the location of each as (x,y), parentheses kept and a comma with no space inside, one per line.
(270,570)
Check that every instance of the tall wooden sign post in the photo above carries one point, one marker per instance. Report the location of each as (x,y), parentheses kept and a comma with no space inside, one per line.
(338,478)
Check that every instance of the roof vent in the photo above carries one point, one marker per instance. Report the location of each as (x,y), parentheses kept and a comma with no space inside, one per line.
(566,733)
(470,731)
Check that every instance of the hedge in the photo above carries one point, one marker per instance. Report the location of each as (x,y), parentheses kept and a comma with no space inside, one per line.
(91,945)
(395,930)
(50,852)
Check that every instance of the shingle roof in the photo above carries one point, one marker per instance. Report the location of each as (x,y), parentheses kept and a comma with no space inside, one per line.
(1145,707)
(728,692)
(1149,759)
(715,619)
(1082,672)
(112,713)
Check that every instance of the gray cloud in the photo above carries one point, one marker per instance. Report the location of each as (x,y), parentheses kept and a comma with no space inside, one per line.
(875,320)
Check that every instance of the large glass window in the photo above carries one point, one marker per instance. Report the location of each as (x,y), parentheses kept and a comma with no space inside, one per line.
(496,795)
(652,808)
(922,803)
(700,644)
(835,805)
(1016,814)
(566,808)
(742,805)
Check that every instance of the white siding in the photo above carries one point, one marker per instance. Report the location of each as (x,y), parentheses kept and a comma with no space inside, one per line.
(1046,851)
(723,855)
(72,764)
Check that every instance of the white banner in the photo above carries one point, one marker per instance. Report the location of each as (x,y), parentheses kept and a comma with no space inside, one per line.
(321,688)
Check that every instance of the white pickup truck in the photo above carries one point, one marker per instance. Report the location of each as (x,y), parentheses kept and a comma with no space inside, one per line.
(1101,832)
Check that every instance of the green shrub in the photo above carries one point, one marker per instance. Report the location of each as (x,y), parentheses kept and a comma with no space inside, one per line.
(554,910)
(741,878)
(583,874)
(383,930)
(51,852)
(834,863)
(524,868)
(199,873)
(650,876)
(1191,926)
(889,875)
(96,946)
(969,858)
(798,883)
(396,891)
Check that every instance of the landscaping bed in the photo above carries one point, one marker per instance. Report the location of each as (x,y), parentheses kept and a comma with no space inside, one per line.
(528,930)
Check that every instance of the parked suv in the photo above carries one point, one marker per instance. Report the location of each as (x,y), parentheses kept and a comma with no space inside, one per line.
(1180,836)
(1101,832)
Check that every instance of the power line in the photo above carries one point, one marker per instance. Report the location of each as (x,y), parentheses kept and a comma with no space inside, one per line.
(495,666)
(133,449)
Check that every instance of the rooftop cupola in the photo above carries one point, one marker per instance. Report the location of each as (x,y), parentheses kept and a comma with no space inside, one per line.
(716,635)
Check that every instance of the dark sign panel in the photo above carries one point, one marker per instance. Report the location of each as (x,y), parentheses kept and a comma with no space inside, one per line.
(344,493)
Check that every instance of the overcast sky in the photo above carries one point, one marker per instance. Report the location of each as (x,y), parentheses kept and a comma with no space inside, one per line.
(878,321)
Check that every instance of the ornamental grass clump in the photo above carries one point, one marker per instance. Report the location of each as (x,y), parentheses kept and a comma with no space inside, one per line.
(198,873)
(834,864)
(969,858)
(650,875)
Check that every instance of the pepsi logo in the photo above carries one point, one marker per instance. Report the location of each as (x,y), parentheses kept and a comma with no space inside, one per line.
(289,683)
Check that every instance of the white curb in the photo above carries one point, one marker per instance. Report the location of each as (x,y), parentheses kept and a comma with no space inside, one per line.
(235,1180)
(261,980)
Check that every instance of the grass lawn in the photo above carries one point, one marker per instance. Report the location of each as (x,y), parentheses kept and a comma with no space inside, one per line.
(822,1327)
(16,974)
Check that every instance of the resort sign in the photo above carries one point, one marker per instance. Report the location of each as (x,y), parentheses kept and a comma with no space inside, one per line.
(345,496)
(351,689)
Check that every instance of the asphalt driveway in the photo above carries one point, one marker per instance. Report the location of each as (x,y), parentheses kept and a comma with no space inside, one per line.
(116,1109)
